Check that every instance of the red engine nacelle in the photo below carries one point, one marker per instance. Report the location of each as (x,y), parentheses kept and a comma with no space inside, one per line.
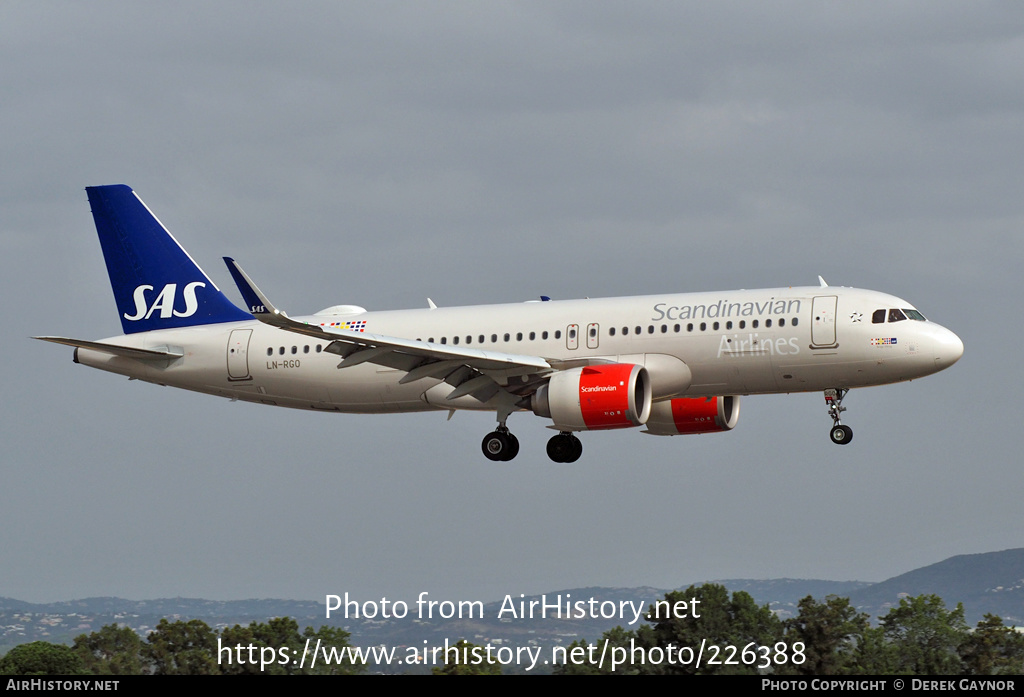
(693,415)
(616,395)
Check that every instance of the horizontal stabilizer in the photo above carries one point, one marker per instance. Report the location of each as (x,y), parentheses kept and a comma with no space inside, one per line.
(126,351)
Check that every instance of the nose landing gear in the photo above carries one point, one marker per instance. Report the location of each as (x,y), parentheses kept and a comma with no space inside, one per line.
(840,433)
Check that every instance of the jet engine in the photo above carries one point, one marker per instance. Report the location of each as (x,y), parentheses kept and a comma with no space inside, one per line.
(693,415)
(614,395)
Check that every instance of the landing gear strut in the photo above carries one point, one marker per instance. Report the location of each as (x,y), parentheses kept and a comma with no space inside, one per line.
(840,434)
(565,447)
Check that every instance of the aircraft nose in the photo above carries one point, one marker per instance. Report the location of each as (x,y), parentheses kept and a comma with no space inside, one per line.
(948,349)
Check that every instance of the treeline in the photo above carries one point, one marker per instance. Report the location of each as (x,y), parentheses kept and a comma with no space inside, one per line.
(735,636)
(185,648)
(731,636)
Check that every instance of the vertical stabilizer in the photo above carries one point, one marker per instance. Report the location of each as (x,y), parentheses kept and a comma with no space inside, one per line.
(156,283)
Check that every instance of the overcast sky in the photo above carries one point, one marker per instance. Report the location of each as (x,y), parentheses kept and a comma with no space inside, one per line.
(380,153)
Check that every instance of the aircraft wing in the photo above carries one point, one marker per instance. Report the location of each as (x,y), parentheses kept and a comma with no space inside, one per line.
(470,371)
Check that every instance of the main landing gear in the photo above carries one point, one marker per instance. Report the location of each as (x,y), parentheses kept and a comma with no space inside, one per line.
(840,433)
(500,445)
(565,447)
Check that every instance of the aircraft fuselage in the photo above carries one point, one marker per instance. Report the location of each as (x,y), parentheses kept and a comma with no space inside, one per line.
(738,342)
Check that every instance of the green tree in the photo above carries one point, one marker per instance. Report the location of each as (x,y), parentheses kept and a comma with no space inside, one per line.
(181,648)
(875,655)
(615,638)
(831,632)
(233,655)
(113,650)
(336,639)
(278,650)
(467,659)
(41,658)
(716,619)
(924,636)
(276,642)
(993,649)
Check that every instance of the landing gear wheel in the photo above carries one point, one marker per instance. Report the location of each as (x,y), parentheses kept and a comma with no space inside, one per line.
(565,447)
(513,446)
(577,449)
(500,447)
(841,434)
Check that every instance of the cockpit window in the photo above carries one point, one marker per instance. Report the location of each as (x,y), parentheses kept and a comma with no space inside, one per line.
(914,314)
(878,316)
(896,315)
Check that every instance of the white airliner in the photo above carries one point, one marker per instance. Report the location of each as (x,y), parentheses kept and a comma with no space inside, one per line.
(674,363)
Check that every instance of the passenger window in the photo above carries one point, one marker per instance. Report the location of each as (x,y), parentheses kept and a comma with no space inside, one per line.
(664,328)
(444,340)
(533,335)
(795,321)
(768,323)
(677,329)
(507,337)
(878,317)
(305,349)
(728,325)
(743,324)
(689,327)
(270,351)
(318,348)
(754,324)
(295,349)
(703,326)
(782,321)
(455,340)
(715,326)
(543,335)
(638,330)
(558,333)
(611,331)
(281,350)
(650,328)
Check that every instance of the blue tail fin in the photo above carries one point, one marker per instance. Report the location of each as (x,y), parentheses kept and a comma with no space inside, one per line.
(156,284)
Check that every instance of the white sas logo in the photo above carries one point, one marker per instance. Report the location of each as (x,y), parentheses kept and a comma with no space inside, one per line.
(165,302)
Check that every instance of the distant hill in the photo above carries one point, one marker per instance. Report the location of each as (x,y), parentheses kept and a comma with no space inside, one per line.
(992,582)
(170,607)
(784,594)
